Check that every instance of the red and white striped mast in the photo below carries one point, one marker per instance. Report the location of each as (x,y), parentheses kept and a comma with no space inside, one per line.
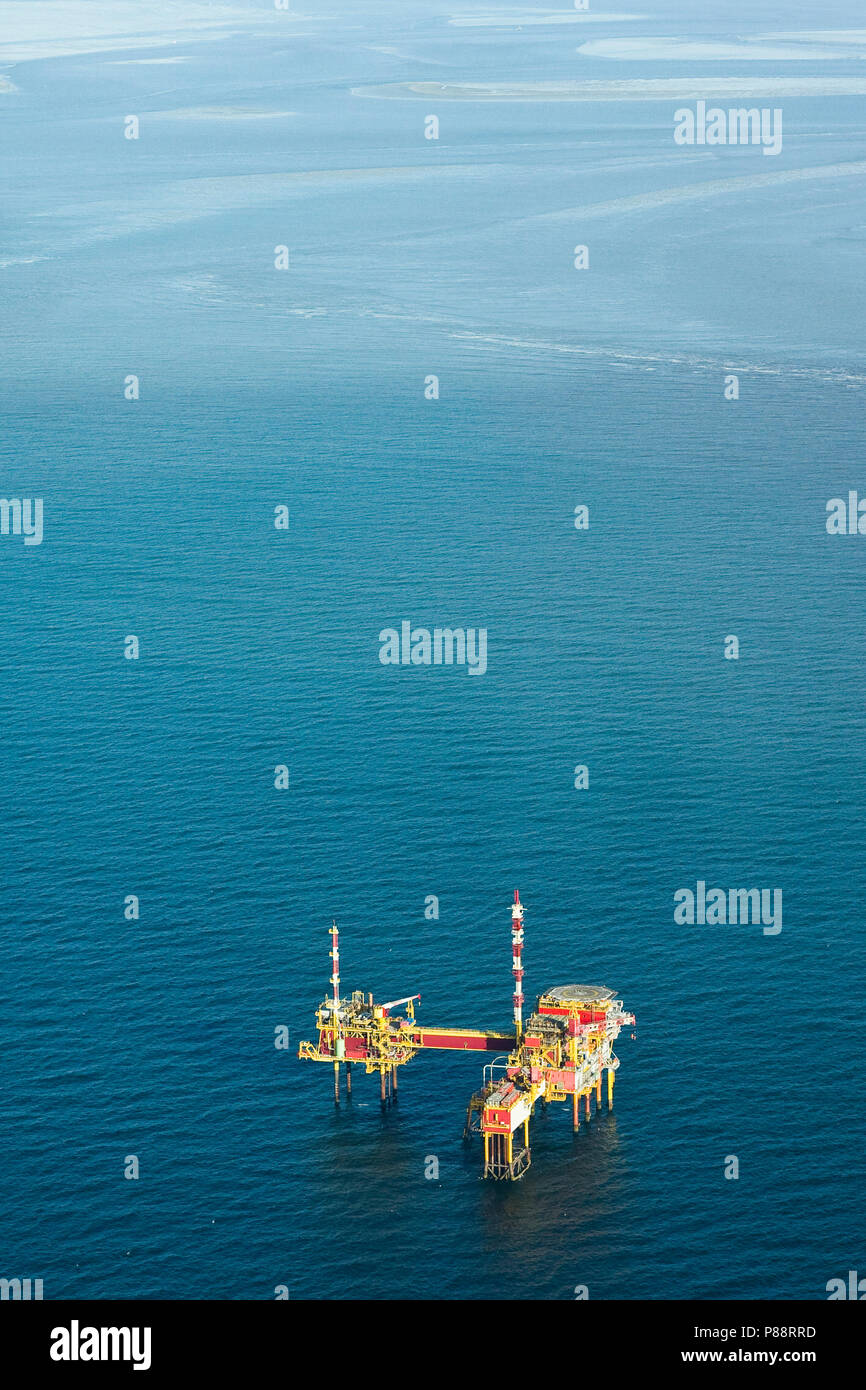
(517,969)
(335,957)
(339,1042)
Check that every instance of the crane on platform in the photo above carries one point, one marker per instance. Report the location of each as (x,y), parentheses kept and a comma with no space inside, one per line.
(562,1051)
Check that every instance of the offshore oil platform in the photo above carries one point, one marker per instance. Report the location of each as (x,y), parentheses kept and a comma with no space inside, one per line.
(561,1052)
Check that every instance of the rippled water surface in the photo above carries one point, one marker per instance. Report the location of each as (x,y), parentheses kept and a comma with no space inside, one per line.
(259,647)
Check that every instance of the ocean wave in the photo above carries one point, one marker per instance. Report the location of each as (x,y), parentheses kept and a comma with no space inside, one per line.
(697,50)
(623,89)
(650,360)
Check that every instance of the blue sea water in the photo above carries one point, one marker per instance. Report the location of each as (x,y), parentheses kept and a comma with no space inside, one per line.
(259,647)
